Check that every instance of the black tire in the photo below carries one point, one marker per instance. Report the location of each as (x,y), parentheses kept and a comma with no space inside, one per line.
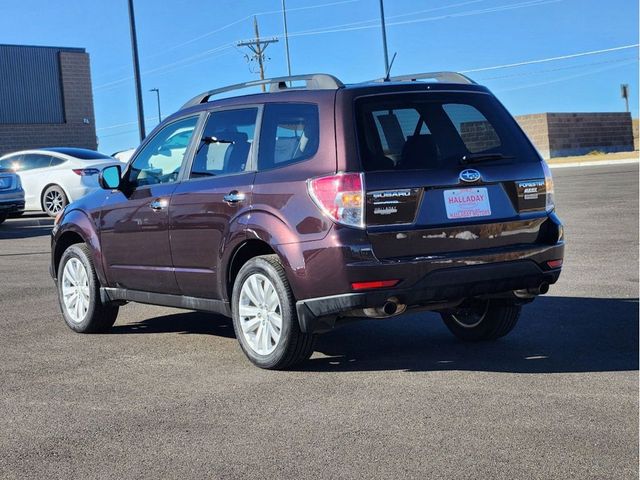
(294,346)
(54,192)
(3,217)
(99,317)
(479,320)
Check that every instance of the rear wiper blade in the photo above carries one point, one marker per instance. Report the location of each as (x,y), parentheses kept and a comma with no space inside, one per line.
(483,157)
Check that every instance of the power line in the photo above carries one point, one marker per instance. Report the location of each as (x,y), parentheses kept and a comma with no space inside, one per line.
(336,29)
(258,14)
(551,59)
(558,69)
(186,61)
(340,28)
(562,79)
(518,64)
(236,22)
(375,21)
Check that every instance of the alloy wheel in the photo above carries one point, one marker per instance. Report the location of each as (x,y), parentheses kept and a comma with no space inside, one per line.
(75,290)
(53,201)
(260,314)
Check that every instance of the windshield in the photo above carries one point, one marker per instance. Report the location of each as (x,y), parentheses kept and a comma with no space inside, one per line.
(434,130)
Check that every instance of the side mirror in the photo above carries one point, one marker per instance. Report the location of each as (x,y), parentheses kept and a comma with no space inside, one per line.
(109,177)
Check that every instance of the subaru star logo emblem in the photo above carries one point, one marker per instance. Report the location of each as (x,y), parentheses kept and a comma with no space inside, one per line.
(469,175)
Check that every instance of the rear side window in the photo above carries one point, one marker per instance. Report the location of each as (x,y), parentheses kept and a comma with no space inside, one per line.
(289,134)
(55,161)
(435,130)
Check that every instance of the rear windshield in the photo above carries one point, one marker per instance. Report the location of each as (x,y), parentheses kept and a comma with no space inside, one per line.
(434,130)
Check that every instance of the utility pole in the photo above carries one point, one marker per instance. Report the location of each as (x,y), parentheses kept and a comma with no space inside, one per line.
(136,70)
(157,90)
(257,46)
(286,36)
(624,93)
(384,40)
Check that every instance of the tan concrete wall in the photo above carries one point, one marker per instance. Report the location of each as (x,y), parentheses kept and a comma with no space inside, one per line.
(635,134)
(581,133)
(79,128)
(566,134)
(536,128)
(478,136)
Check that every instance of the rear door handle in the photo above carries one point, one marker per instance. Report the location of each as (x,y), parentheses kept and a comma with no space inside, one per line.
(234,197)
(158,205)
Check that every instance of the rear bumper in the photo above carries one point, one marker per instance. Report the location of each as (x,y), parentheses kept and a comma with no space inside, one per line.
(12,206)
(441,279)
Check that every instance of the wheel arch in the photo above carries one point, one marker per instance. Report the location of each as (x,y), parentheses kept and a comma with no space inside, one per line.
(77,227)
(248,249)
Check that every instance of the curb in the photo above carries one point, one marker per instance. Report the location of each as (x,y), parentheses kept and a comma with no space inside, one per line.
(595,163)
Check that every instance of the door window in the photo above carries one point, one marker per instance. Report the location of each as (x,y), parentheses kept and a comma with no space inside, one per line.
(11,163)
(31,161)
(226,143)
(160,159)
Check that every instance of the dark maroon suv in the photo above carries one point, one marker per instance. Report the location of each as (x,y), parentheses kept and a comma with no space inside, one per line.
(299,209)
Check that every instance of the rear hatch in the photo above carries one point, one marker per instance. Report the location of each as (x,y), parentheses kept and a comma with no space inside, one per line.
(447,172)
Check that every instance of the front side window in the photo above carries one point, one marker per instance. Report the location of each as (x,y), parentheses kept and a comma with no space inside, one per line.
(226,143)
(11,163)
(160,159)
(289,134)
(32,161)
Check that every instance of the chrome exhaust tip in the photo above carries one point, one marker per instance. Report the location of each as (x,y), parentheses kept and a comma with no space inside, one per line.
(391,308)
(532,292)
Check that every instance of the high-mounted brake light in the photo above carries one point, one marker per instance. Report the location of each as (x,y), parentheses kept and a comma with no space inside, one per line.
(85,172)
(548,182)
(340,197)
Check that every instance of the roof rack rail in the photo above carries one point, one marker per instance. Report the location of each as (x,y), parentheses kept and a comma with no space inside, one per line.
(314,81)
(442,77)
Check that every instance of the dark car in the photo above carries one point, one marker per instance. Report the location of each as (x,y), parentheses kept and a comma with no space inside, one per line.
(296,210)
(11,194)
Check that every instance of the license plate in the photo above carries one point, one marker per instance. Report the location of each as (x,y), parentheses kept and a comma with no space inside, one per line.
(467,202)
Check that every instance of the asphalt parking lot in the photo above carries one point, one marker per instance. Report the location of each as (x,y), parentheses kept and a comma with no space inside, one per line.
(168,393)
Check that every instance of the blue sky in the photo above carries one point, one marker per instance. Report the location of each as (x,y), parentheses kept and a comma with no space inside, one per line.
(187,46)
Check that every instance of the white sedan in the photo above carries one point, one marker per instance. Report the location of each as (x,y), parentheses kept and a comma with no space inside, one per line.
(54,177)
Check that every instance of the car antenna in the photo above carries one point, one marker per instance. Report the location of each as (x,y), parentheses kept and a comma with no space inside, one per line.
(386,77)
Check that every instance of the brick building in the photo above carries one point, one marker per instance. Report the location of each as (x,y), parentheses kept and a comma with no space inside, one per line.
(565,134)
(45,98)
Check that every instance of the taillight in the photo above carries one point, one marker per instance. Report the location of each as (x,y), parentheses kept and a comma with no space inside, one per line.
(84,172)
(548,182)
(340,197)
